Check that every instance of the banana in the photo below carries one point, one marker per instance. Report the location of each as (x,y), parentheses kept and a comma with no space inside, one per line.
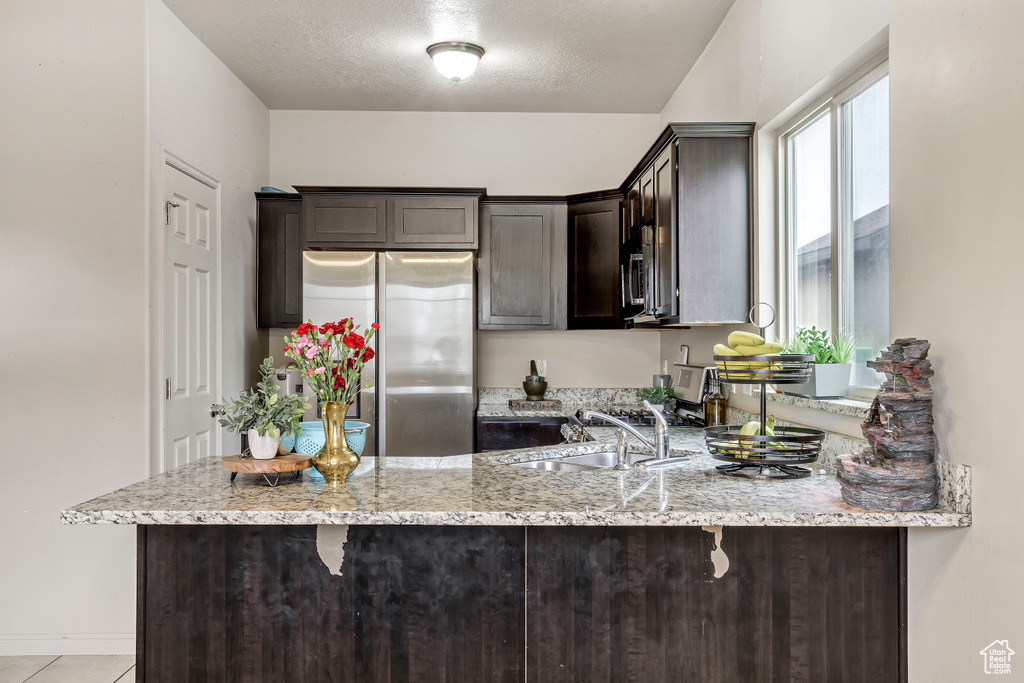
(741,338)
(766,349)
(723,350)
(744,450)
(732,367)
(753,428)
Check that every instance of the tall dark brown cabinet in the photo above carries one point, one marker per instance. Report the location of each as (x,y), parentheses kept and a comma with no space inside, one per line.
(715,229)
(279,260)
(689,199)
(594,293)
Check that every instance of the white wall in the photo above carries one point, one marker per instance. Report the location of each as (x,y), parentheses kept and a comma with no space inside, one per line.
(76,162)
(506,153)
(724,82)
(768,58)
(72,306)
(956,170)
(803,41)
(956,280)
(200,112)
(590,358)
(540,154)
(767,54)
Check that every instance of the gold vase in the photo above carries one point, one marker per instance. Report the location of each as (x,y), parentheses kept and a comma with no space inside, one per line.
(335,460)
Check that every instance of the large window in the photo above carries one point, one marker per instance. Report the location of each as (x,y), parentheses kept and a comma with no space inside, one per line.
(835,219)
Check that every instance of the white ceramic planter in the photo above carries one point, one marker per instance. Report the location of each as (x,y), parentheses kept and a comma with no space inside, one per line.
(828,380)
(264,447)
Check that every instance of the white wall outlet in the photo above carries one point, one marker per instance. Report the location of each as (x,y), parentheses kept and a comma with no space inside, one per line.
(542,368)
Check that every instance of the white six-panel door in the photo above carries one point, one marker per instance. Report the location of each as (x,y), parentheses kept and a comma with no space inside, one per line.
(191,318)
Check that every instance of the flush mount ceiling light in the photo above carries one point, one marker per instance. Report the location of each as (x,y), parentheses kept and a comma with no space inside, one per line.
(455,60)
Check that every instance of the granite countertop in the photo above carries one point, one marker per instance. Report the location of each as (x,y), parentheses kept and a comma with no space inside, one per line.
(503,410)
(485,489)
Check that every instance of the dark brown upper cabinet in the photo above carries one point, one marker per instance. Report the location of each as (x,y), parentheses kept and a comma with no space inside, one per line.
(279,260)
(435,220)
(715,235)
(700,178)
(390,218)
(348,218)
(593,263)
(522,266)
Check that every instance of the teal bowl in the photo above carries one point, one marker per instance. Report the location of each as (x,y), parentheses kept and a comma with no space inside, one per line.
(313,439)
(288,442)
(355,435)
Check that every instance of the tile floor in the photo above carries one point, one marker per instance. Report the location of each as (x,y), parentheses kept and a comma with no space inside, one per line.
(68,669)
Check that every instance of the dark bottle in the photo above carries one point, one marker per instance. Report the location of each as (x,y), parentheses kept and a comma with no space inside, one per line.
(714,403)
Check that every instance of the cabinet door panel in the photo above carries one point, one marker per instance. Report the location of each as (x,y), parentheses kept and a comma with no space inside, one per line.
(647,197)
(593,272)
(665,301)
(435,220)
(714,234)
(344,218)
(279,263)
(519,278)
(292,310)
(633,217)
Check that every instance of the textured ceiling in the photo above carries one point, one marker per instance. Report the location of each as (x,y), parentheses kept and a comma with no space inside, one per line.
(542,55)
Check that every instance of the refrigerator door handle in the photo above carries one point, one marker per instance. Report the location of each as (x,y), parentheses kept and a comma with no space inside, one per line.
(381,357)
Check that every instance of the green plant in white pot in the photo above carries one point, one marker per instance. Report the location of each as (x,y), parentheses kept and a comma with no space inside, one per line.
(263,415)
(659,397)
(830,375)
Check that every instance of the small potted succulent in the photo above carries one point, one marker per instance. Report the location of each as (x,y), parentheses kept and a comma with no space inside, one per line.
(263,415)
(830,374)
(659,397)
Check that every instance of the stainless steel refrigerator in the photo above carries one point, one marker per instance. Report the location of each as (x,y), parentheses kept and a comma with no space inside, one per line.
(424,396)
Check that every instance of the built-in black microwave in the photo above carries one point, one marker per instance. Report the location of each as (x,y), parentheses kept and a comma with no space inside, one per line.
(637,269)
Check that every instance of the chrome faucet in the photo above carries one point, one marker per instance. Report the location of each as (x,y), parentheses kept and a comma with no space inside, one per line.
(660,445)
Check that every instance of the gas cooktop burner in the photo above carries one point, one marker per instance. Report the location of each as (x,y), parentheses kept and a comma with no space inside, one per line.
(633,415)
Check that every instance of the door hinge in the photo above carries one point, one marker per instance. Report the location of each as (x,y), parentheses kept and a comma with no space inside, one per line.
(168,205)
(167,389)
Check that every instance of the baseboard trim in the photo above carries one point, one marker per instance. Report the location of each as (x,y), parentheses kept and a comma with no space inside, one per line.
(67,644)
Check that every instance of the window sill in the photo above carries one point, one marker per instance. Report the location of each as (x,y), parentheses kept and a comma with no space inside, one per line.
(851,407)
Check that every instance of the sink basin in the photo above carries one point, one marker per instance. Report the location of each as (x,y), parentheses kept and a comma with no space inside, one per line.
(580,463)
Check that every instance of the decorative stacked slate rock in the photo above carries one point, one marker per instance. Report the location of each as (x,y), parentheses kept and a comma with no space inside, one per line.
(896,471)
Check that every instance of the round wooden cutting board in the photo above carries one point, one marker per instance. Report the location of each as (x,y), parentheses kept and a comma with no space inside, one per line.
(293,462)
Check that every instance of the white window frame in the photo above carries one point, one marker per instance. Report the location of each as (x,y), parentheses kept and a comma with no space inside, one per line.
(831,102)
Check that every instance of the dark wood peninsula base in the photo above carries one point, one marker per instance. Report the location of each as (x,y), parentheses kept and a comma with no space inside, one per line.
(256,604)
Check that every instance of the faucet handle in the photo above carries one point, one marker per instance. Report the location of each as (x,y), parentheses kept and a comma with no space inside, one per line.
(658,414)
(622,452)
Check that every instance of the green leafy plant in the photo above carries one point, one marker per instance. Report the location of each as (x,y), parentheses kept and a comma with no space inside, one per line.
(261,408)
(655,395)
(825,349)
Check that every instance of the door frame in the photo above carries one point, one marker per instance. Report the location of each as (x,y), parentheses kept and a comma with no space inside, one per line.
(155,351)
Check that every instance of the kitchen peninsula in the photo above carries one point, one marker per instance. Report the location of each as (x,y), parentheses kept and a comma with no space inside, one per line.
(470,568)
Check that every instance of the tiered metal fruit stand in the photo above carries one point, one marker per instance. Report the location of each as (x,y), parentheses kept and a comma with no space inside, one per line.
(762,455)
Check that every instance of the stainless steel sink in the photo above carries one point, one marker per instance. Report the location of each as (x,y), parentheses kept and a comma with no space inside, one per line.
(580,463)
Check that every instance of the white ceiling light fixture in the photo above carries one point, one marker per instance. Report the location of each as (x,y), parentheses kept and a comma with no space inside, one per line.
(455,60)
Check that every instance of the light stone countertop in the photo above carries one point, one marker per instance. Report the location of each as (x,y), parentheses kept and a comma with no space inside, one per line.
(484,489)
